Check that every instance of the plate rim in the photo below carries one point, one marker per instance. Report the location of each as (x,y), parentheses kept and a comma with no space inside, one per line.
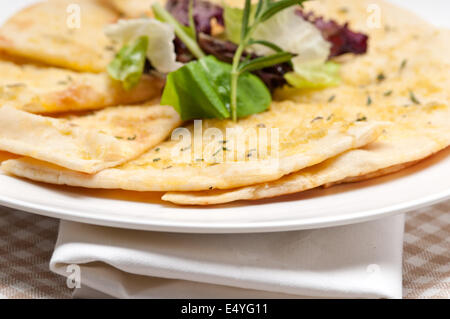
(225,228)
(123,221)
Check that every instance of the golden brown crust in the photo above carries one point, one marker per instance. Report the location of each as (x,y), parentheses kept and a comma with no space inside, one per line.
(42,32)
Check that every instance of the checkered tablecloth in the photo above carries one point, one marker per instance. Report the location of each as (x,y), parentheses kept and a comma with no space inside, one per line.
(26,244)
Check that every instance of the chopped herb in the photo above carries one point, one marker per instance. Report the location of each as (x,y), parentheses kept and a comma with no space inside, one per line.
(186,148)
(132,138)
(330,116)
(369,101)
(214,164)
(225,149)
(168,167)
(261,125)
(361,118)
(119,137)
(199,160)
(331,99)
(157,149)
(15,85)
(403,65)
(156,160)
(381,77)
(249,154)
(217,152)
(344,10)
(223,142)
(388,93)
(317,119)
(413,98)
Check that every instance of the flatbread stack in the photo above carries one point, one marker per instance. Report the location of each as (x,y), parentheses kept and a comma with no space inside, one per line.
(391,111)
(54,78)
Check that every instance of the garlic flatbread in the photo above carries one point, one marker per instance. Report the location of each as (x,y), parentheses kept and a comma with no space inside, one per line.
(134,8)
(62,33)
(86,143)
(403,79)
(304,139)
(39,89)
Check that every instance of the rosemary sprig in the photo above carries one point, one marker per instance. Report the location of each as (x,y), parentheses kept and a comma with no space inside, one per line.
(186,34)
(265,10)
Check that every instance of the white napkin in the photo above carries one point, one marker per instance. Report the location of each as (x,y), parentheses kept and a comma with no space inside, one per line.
(356,261)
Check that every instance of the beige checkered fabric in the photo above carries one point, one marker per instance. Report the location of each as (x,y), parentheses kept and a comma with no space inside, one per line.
(27,241)
(426,257)
(26,245)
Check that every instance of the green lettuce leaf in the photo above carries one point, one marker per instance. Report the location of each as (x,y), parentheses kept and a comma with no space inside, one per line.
(314,76)
(286,29)
(201,89)
(160,50)
(233,22)
(128,65)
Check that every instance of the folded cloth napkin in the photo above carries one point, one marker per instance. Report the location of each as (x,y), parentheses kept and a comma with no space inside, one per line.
(354,261)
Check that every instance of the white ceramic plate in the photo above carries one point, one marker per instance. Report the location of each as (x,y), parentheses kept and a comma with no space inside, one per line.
(424,184)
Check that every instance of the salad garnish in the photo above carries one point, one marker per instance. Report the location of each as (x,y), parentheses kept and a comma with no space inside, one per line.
(225,62)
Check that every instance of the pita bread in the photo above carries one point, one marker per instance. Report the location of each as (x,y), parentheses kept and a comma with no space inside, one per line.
(4,156)
(87,143)
(352,166)
(49,32)
(40,89)
(419,130)
(304,140)
(134,8)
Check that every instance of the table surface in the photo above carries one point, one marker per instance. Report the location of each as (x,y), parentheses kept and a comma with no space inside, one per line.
(27,242)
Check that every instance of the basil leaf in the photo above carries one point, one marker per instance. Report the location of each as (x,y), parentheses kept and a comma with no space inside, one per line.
(201,89)
(128,65)
(314,76)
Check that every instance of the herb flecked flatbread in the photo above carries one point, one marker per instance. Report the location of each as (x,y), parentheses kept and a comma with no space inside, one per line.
(86,143)
(303,140)
(40,89)
(403,79)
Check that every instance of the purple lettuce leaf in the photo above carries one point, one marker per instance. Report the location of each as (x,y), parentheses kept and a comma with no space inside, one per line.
(203,12)
(342,39)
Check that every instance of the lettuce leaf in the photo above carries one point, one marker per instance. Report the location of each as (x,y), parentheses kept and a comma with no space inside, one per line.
(287,29)
(160,49)
(314,75)
(293,34)
(128,65)
(233,22)
(201,89)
